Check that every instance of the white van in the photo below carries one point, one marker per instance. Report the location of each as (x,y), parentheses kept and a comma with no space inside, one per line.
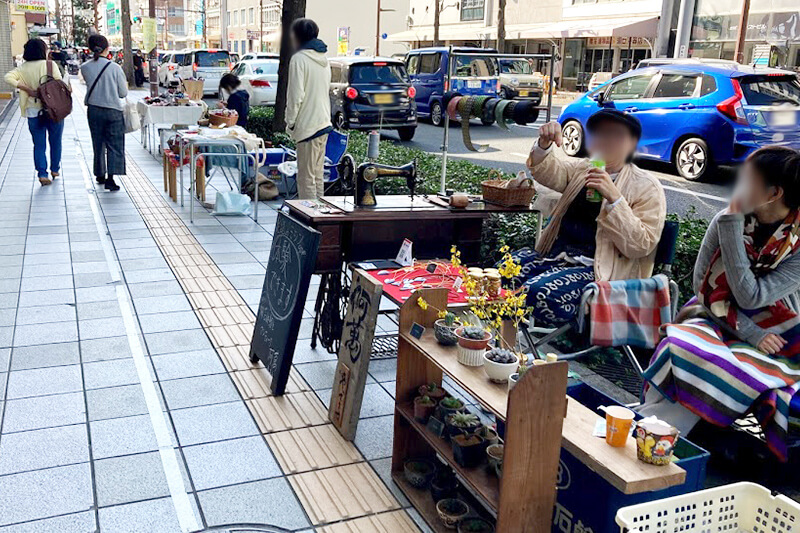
(208,64)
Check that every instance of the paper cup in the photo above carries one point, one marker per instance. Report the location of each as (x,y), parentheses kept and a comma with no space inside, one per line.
(618,425)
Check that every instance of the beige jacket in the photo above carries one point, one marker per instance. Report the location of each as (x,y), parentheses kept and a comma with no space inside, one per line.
(627,234)
(308,102)
(31,73)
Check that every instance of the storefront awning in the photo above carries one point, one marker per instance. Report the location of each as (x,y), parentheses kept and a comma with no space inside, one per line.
(456,32)
(616,27)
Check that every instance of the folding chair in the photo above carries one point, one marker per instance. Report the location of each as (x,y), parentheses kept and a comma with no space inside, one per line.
(335,150)
(665,256)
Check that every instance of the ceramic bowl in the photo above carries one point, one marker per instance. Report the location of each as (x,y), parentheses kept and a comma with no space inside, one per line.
(418,472)
(450,511)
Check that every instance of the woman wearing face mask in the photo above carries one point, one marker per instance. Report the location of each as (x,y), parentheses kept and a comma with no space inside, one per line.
(606,225)
(737,349)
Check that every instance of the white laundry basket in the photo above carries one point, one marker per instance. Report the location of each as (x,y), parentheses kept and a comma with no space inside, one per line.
(736,508)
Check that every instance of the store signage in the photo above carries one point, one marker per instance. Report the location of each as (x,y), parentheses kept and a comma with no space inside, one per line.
(31,6)
(616,41)
(148,33)
(355,349)
(342,40)
(253,34)
(291,262)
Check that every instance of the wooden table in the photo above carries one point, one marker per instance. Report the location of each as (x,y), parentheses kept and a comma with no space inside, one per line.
(530,466)
(358,234)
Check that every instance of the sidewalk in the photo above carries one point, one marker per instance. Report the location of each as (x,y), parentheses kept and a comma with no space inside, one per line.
(127,403)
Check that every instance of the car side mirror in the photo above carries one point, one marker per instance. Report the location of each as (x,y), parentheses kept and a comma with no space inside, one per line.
(599,97)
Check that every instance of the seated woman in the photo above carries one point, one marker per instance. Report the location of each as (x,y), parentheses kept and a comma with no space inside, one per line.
(738,350)
(610,237)
(236,99)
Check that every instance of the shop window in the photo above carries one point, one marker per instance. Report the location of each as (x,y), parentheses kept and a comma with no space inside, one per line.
(630,58)
(797,59)
(251,15)
(429,63)
(573,51)
(631,88)
(472,10)
(675,86)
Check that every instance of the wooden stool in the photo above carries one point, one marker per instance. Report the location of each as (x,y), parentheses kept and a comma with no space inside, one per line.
(165,167)
(200,179)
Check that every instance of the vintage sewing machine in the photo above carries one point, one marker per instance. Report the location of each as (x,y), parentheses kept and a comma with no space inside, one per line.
(368,173)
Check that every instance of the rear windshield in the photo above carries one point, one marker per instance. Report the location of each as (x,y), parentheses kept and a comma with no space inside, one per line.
(771,90)
(264,67)
(518,66)
(377,73)
(213,59)
(177,58)
(471,66)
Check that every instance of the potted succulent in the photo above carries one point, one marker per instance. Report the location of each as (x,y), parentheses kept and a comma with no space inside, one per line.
(475,525)
(500,363)
(451,510)
(449,406)
(516,376)
(433,391)
(472,343)
(418,472)
(494,454)
(467,450)
(423,408)
(443,485)
(489,435)
(462,424)
(444,329)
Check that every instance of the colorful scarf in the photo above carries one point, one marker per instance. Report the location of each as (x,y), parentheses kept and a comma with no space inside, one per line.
(717,297)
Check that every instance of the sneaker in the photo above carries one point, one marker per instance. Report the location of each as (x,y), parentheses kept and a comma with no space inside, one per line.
(100,179)
(45,181)
(111,185)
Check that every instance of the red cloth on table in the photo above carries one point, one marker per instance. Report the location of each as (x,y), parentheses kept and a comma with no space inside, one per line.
(445,276)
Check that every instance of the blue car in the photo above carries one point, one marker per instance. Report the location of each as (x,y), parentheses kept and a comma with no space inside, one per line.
(472,75)
(696,115)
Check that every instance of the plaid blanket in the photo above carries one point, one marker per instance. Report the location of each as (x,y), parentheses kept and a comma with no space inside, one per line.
(629,311)
(720,378)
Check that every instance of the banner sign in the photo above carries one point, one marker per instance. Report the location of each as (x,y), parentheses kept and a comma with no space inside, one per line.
(148,34)
(31,6)
(343,40)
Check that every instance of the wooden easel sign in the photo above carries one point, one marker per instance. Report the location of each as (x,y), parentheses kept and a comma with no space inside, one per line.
(354,352)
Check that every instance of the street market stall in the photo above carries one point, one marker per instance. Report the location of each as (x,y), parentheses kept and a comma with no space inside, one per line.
(166,109)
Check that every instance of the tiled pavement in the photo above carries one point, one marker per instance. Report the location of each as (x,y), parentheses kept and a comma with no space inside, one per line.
(123,409)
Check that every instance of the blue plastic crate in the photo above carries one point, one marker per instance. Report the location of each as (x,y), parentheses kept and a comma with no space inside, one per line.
(587,503)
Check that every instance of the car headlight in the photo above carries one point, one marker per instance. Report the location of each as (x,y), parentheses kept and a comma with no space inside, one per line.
(514,82)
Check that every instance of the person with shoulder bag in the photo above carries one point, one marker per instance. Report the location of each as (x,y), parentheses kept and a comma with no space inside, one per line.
(45,100)
(107,86)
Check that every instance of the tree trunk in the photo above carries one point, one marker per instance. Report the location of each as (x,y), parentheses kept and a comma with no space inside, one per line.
(292,10)
(501,26)
(127,54)
(437,8)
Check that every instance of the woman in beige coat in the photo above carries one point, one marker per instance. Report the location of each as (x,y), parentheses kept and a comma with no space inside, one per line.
(606,225)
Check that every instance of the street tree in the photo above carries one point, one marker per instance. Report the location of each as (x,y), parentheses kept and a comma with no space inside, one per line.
(501,26)
(82,23)
(127,43)
(292,10)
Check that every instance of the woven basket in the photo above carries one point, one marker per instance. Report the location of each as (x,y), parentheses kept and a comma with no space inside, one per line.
(220,120)
(495,193)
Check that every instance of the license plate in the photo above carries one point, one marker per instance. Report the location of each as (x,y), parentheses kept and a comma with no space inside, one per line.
(474,84)
(383,98)
(784,118)
(209,75)
(523,93)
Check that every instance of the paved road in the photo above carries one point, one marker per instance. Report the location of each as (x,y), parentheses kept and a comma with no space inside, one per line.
(508,151)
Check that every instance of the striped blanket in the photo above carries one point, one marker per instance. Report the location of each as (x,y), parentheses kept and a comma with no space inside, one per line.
(721,379)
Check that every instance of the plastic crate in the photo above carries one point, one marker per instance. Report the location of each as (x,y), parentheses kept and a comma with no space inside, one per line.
(740,507)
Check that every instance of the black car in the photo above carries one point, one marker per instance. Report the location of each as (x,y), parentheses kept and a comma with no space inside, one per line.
(372,93)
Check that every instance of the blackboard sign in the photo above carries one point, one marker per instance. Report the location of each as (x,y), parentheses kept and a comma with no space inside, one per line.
(291,263)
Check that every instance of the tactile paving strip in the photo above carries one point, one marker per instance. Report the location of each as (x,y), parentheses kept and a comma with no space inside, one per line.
(296,424)
(342,492)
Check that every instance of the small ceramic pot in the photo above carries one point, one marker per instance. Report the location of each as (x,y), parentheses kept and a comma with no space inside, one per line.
(445,335)
(489,435)
(450,511)
(422,412)
(445,411)
(436,394)
(418,472)
(475,525)
(470,351)
(452,430)
(512,380)
(494,454)
(499,372)
(468,450)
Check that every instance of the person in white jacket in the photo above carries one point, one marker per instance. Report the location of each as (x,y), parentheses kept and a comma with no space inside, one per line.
(308,107)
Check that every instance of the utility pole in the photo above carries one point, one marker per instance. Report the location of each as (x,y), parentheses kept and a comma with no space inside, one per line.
(742,33)
(685,17)
(72,26)
(261,27)
(437,9)
(664,28)
(378,32)
(203,5)
(153,61)
(223,24)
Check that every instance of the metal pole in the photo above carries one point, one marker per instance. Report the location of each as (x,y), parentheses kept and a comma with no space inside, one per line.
(742,33)
(552,82)
(446,139)
(378,32)
(685,17)
(664,28)
(261,34)
(223,24)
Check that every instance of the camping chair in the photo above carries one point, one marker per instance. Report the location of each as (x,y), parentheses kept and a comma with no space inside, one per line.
(665,255)
(335,150)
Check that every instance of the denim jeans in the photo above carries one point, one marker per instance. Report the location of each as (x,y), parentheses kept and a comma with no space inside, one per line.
(40,128)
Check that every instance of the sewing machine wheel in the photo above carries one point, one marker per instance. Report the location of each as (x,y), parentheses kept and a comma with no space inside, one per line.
(347,173)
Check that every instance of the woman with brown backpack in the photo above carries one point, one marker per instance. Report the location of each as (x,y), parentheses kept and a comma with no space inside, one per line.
(33,72)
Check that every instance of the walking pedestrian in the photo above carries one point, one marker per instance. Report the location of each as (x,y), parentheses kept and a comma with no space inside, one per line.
(106,87)
(138,66)
(237,99)
(308,106)
(27,78)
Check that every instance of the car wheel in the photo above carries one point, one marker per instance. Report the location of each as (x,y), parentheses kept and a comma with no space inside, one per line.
(572,134)
(693,159)
(437,117)
(504,93)
(339,121)
(407,133)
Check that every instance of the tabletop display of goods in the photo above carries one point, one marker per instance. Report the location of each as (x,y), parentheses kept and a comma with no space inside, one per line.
(168,99)
(222,117)
(517,192)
